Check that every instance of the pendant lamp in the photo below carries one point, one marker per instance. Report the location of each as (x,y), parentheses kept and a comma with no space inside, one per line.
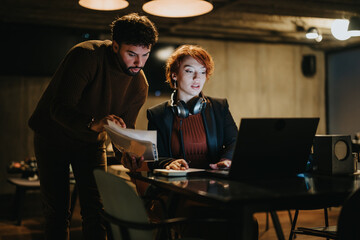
(177,8)
(104,5)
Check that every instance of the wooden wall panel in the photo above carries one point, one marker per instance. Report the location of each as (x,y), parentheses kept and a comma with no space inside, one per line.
(18,98)
(262,80)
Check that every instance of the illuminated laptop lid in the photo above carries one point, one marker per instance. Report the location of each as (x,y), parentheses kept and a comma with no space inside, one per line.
(272,147)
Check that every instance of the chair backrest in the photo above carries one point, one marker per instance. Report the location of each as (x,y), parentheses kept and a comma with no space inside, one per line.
(121,202)
(348,224)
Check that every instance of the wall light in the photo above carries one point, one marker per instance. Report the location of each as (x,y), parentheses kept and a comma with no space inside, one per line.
(164,53)
(313,33)
(339,29)
(104,5)
(354,27)
(176,8)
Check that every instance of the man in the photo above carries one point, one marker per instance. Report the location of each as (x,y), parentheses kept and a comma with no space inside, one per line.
(96,82)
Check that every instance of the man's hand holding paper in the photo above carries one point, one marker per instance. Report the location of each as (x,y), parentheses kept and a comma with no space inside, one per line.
(98,126)
(137,146)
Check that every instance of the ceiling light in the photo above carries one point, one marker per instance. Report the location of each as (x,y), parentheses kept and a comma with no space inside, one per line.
(354,27)
(176,8)
(339,29)
(104,5)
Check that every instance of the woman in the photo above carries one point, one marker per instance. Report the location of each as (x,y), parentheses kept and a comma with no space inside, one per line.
(193,130)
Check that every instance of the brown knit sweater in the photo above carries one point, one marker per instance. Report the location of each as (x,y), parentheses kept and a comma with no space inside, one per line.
(89,83)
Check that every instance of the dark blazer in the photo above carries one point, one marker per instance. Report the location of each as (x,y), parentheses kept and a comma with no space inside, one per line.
(220,129)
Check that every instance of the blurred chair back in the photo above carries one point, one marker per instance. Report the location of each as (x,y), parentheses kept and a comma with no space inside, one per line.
(347,227)
(121,202)
(348,224)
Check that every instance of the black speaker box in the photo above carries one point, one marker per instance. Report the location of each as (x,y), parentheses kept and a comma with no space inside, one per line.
(333,154)
(308,65)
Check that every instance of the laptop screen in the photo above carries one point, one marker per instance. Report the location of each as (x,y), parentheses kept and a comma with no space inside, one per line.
(272,147)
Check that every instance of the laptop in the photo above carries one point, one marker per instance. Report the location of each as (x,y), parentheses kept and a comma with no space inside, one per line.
(271,147)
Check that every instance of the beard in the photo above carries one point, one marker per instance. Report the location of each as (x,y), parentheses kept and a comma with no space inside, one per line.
(126,69)
(130,73)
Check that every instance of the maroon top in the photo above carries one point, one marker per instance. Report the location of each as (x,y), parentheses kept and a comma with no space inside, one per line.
(194,138)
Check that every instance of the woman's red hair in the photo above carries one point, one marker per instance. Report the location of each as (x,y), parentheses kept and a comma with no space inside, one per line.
(198,53)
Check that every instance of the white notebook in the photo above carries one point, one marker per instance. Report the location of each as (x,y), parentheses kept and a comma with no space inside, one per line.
(176,173)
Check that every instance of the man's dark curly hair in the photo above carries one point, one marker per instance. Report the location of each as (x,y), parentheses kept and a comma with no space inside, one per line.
(134,29)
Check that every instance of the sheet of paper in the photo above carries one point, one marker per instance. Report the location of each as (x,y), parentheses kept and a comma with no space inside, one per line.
(137,142)
(142,135)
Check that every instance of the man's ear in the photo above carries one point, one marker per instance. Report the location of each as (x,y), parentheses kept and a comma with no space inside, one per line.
(116,46)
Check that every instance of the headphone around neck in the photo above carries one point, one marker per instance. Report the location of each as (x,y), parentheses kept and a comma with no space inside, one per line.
(180,108)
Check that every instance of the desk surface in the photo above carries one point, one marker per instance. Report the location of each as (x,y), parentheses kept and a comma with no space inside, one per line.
(305,192)
(246,197)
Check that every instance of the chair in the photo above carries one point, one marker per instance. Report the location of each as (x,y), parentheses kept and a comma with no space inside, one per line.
(312,231)
(347,227)
(267,219)
(125,211)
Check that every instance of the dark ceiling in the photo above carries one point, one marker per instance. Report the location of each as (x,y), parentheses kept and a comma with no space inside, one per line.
(275,21)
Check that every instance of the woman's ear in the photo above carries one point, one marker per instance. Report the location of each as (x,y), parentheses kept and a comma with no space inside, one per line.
(173,76)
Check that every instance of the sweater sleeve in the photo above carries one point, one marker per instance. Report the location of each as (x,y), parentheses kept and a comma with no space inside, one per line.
(77,69)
